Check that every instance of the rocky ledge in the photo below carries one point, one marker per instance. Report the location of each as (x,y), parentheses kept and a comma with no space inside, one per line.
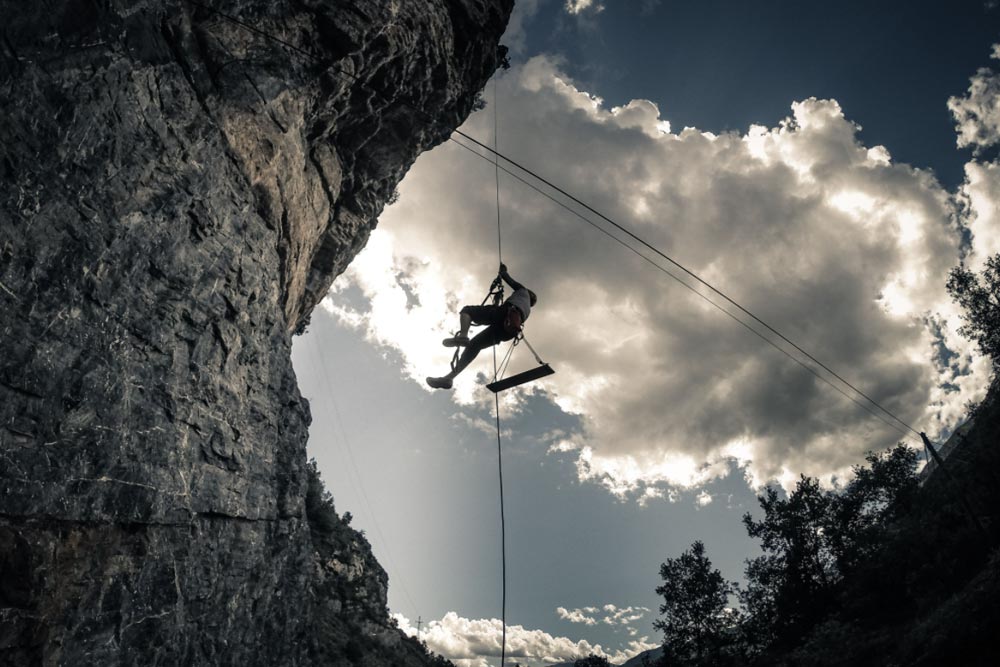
(177,192)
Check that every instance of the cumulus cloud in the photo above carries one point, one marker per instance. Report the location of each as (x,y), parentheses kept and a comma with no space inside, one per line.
(515,35)
(612,615)
(578,7)
(978,112)
(623,615)
(477,642)
(576,616)
(978,117)
(842,249)
(981,193)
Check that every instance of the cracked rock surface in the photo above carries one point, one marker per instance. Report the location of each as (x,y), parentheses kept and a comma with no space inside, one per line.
(176,194)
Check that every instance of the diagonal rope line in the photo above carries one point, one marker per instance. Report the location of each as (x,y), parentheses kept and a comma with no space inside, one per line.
(533,174)
(690,273)
(695,291)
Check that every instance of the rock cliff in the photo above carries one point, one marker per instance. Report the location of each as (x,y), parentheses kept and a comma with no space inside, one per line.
(177,192)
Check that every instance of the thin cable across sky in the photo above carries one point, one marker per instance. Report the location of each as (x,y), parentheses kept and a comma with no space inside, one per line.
(494,156)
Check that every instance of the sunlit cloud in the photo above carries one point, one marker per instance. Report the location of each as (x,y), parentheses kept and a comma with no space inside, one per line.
(839,247)
(577,7)
(608,614)
(514,38)
(576,616)
(477,642)
(977,113)
(981,193)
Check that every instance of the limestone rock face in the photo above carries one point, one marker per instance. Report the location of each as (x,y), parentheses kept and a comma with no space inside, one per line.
(177,192)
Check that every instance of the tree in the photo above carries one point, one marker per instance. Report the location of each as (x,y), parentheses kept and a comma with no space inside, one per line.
(319,502)
(812,540)
(823,550)
(979,296)
(882,492)
(789,585)
(592,660)
(696,617)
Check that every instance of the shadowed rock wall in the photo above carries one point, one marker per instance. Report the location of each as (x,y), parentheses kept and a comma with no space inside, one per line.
(176,195)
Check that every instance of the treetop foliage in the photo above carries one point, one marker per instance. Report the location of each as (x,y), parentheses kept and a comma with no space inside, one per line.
(811,541)
(979,297)
(886,570)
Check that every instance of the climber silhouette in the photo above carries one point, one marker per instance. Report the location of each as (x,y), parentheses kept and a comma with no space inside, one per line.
(503,322)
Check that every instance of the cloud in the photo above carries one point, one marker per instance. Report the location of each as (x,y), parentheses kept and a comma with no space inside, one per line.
(978,112)
(515,35)
(981,194)
(843,250)
(576,616)
(578,7)
(477,642)
(623,616)
(613,615)
(978,117)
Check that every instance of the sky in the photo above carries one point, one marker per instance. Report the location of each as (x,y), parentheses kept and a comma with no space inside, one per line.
(824,166)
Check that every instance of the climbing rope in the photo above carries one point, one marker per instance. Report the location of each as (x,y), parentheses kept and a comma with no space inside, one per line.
(496,163)
(503,531)
(496,399)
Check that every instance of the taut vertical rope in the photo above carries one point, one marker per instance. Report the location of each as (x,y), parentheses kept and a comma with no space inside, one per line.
(496,163)
(496,398)
(503,530)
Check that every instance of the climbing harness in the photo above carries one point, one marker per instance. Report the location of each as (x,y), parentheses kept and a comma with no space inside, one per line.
(499,382)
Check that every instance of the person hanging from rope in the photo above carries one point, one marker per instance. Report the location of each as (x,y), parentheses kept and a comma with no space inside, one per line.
(503,322)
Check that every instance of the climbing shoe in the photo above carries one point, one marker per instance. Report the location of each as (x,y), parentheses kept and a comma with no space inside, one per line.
(439,383)
(455,341)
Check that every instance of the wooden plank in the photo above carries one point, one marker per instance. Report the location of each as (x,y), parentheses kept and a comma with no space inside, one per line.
(520,378)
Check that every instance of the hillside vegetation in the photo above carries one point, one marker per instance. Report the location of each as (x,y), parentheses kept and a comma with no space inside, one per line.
(896,568)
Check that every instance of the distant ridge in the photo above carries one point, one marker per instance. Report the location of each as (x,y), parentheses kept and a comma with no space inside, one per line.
(653,654)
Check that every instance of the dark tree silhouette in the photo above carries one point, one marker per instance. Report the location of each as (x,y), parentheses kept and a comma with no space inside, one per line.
(814,538)
(695,598)
(856,575)
(814,542)
(789,585)
(979,296)
(592,661)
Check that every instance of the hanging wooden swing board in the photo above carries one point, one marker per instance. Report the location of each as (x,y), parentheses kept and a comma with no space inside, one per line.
(541,371)
(520,378)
